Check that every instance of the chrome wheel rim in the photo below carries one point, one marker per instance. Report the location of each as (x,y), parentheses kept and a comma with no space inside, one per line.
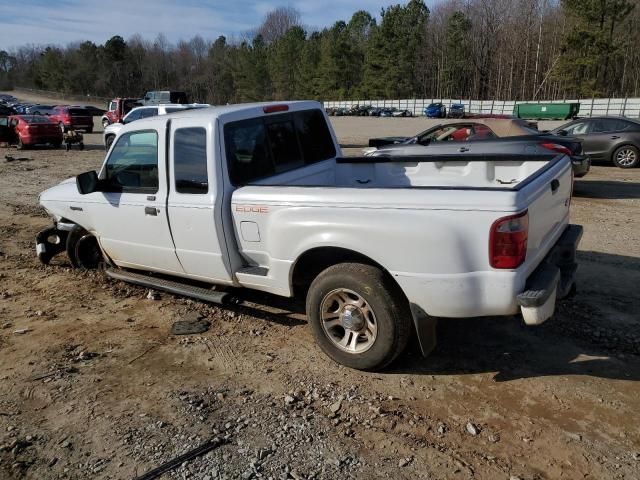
(626,157)
(348,321)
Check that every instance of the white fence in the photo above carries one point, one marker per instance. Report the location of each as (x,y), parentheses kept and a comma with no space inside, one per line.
(629,107)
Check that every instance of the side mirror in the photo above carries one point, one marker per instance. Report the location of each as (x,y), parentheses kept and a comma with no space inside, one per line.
(87,182)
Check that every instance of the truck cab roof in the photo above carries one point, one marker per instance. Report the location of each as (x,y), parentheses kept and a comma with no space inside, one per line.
(228,113)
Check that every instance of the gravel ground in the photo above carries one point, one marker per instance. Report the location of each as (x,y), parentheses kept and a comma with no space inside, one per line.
(97,387)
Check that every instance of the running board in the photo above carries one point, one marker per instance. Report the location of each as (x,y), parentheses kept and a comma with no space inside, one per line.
(174,287)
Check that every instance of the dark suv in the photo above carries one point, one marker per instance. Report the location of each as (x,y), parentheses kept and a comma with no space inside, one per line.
(72,118)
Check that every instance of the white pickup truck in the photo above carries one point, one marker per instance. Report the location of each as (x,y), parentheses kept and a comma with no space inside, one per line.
(259,196)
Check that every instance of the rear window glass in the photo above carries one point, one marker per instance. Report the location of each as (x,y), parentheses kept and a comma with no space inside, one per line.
(190,160)
(78,112)
(261,147)
(174,109)
(36,119)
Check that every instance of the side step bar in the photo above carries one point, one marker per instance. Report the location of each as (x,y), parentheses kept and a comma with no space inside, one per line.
(174,287)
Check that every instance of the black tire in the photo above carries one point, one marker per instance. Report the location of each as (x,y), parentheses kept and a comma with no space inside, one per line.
(83,250)
(81,146)
(626,156)
(385,300)
(108,141)
(89,130)
(57,144)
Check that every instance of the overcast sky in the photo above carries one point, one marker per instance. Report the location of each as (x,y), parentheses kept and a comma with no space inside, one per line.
(64,21)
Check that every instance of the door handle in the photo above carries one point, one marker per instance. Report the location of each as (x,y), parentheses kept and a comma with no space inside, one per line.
(463,149)
(555,184)
(151,211)
(614,137)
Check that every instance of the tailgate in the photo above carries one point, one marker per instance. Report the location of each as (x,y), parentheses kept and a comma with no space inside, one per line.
(548,198)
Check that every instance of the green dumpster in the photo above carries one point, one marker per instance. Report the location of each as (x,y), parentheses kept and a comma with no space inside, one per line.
(546,111)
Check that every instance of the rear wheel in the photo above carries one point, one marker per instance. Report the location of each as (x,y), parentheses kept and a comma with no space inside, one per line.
(358,316)
(83,249)
(626,157)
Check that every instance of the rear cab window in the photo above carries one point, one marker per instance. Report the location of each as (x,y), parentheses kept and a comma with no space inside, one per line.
(261,147)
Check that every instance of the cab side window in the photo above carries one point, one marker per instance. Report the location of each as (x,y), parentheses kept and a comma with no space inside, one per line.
(133,163)
(579,128)
(134,115)
(190,160)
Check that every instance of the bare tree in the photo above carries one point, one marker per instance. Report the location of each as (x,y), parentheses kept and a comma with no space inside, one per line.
(278,22)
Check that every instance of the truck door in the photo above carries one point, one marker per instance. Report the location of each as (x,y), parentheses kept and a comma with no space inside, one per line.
(129,213)
(195,203)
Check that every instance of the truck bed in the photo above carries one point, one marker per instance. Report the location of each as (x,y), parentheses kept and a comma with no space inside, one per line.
(437,172)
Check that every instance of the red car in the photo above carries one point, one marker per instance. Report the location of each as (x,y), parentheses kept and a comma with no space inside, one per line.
(72,118)
(28,130)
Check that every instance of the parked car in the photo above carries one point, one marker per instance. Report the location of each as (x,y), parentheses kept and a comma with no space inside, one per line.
(259,196)
(435,110)
(40,109)
(609,139)
(138,113)
(21,108)
(117,109)
(387,111)
(163,97)
(29,130)
(456,110)
(469,136)
(72,117)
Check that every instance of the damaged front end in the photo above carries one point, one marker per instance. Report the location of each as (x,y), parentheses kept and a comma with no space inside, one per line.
(52,240)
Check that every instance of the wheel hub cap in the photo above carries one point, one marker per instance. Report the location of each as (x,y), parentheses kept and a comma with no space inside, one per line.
(352,319)
(348,321)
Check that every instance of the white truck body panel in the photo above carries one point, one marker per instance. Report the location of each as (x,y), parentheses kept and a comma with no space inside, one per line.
(427,224)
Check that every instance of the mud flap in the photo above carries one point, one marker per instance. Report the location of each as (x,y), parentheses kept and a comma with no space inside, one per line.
(50,242)
(425,329)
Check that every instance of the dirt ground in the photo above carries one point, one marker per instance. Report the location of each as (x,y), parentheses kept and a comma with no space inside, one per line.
(97,387)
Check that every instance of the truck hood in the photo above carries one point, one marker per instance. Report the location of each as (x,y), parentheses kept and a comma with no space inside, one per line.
(65,190)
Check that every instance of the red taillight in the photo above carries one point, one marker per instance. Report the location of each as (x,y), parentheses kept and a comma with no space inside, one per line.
(508,241)
(275,108)
(557,148)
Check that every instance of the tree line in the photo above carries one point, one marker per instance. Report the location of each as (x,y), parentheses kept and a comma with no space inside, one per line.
(480,49)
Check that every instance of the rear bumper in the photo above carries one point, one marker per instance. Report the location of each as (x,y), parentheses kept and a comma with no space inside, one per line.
(581,165)
(553,280)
